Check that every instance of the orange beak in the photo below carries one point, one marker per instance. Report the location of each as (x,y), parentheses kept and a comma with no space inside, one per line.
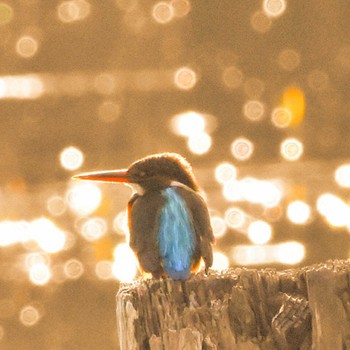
(105,176)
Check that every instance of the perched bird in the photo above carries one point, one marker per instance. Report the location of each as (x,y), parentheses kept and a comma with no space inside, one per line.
(169,223)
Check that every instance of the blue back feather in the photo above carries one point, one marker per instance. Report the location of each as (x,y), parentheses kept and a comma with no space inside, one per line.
(176,235)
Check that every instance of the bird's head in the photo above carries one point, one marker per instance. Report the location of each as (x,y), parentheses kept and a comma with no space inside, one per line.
(151,172)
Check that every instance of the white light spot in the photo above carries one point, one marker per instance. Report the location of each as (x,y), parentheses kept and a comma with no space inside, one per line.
(125,264)
(27,46)
(290,253)
(281,117)
(185,78)
(235,218)
(188,123)
(254,110)
(39,274)
(93,229)
(225,172)
(73,269)
(342,175)
(120,223)
(220,261)
(84,198)
(71,158)
(103,270)
(242,148)
(56,205)
(199,143)
(298,212)
(274,8)
(163,12)
(73,10)
(219,226)
(291,149)
(259,232)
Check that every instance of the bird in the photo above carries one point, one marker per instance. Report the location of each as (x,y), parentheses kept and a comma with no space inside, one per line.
(168,219)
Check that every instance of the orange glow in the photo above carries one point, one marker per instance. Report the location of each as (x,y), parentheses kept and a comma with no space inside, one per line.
(294,101)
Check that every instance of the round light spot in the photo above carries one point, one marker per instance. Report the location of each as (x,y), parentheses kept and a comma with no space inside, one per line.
(162,12)
(254,88)
(259,232)
(56,205)
(27,46)
(125,264)
(199,143)
(289,59)
(185,78)
(188,123)
(232,191)
(181,7)
(298,212)
(71,158)
(225,172)
(103,270)
(342,175)
(6,13)
(109,111)
(73,10)
(220,261)
(242,148)
(120,223)
(253,110)
(39,274)
(84,198)
(93,229)
(29,316)
(291,149)
(36,259)
(219,226)
(232,77)
(274,8)
(73,269)
(260,22)
(235,218)
(281,117)
(105,84)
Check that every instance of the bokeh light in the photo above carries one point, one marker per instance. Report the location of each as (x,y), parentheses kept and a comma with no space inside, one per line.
(253,110)
(185,78)
(293,100)
(29,316)
(109,111)
(27,46)
(56,205)
(21,87)
(318,80)
(93,229)
(342,175)
(290,253)
(39,274)
(235,218)
(219,226)
(188,123)
(6,13)
(220,261)
(232,191)
(120,223)
(73,10)
(47,235)
(73,269)
(84,198)
(225,172)
(274,8)
(298,212)
(71,158)
(281,117)
(242,148)
(199,143)
(289,59)
(260,22)
(334,209)
(291,149)
(103,270)
(259,232)
(181,7)
(163,12)
(124,266)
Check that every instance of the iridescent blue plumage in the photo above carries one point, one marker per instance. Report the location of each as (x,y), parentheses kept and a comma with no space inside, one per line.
(176,240)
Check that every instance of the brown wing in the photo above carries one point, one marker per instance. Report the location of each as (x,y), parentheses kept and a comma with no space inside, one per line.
(144,213)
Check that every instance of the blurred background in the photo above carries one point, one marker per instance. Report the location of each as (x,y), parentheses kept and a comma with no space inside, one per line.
(255,94)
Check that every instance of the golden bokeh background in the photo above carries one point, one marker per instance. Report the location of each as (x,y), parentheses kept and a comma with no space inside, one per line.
(255,94)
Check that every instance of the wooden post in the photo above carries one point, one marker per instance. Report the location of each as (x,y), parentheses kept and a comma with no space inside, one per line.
(239,309)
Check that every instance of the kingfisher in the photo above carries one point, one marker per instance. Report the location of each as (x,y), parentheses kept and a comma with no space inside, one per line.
(169,222)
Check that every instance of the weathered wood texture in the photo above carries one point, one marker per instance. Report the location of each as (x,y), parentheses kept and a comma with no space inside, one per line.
(245,309)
